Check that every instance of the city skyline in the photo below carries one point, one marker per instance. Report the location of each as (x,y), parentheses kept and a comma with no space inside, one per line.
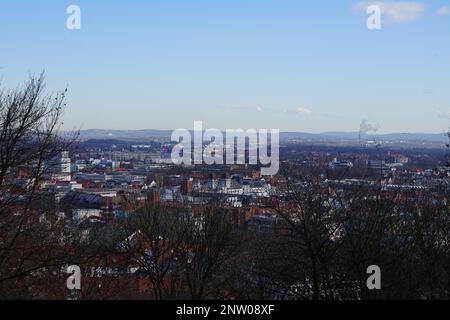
(287,65)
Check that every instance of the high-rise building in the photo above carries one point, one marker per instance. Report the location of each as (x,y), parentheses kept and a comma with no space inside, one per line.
(65,163)
(60,167)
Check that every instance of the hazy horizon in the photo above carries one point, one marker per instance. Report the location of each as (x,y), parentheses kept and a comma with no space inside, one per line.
(444,132)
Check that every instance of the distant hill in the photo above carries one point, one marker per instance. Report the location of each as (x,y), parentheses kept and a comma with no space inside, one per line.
(100,134)
(397,137)
(123,134)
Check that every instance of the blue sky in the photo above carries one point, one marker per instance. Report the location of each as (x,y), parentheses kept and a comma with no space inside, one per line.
(287,64)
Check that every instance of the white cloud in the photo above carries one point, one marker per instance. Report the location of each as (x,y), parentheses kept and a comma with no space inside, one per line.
(442,114)
(394,11)
(443,11)
(300,111)
(303,110)
(260,109)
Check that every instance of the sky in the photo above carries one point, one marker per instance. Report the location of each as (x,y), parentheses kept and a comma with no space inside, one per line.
(310,66)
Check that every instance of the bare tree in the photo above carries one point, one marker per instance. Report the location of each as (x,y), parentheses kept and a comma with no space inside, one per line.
(154,238)
(210,245)
(181,252)
(29,124)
